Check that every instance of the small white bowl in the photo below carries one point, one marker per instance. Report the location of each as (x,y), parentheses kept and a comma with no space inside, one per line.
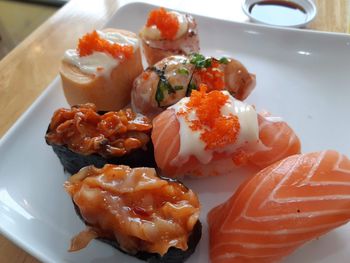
(308,6)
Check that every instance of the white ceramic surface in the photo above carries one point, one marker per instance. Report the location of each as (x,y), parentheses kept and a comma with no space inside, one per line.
(301,75)
(308,5)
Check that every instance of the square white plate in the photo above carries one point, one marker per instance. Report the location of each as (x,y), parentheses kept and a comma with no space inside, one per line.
(301,75)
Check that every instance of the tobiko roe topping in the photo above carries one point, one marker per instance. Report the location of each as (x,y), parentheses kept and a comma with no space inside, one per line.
(212,76)
(166,22)
(92,42)
(217,130)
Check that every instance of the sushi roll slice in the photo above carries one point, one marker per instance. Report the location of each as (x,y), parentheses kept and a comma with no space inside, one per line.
(282,207)
(213,133)
(168,33)
(174,77)
(141,214)
(81,136)
(101,69)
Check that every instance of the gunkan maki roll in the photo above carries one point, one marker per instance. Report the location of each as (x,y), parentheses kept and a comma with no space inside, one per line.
(149,217)
(81,136)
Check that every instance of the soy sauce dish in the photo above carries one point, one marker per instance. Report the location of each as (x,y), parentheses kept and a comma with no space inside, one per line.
(285,13)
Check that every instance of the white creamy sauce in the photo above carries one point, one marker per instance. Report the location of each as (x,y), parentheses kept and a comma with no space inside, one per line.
(248,120)
(153,33)
(183,24)
(116,37)
(150,32)
(190,142)
(100,63)
(192,145)
(274,119)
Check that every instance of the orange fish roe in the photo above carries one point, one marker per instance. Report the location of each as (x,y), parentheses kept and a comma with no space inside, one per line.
(145,75)
(93,42)
(212,76)
(166,22)
(240,158)
(217,130)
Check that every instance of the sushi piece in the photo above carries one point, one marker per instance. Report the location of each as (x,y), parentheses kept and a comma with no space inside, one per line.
(222,74)
(101,69)
(161,86)
(174,77)
(213,133)
(81,136)
(277,140)
(146,216)
(168,33)
(282,207)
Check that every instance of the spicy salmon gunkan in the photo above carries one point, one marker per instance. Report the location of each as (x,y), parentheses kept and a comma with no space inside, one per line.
(81,136)
(136,211)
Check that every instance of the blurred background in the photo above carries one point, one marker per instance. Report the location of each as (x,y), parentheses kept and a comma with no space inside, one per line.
(19,18)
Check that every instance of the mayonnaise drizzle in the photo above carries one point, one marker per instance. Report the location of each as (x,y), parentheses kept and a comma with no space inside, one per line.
(153,33)
(116,37)
(273,119)
(100,63)
(192,145)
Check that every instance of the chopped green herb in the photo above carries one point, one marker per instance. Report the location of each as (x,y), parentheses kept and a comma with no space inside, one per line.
(159,95)
(191,87)
(163,85)
(200,61)
(178,87)
(183,71)
(223,60)
(207,63)
(170,88)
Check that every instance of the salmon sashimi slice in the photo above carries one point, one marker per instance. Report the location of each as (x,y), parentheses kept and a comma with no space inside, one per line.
(276,141)
(283,206)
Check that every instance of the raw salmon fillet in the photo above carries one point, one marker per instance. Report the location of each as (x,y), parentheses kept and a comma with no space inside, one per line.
(282,207)
(277,141)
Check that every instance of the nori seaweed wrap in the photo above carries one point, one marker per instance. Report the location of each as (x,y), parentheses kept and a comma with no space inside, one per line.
(134,210)
(81,136)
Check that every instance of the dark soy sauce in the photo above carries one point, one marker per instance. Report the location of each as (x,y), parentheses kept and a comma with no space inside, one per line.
(282,13)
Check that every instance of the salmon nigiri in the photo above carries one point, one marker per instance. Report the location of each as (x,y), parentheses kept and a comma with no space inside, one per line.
(213,133)
(282,207)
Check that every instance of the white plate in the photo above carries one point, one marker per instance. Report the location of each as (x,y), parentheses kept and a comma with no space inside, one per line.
(301,75)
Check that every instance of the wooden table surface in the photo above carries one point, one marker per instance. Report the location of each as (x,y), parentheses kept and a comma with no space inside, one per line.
(32,65)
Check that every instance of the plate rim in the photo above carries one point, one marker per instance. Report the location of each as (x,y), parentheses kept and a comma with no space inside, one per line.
(56,81)
(245,23)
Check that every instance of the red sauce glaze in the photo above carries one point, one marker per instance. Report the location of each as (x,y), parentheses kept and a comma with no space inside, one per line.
(140,210)
(85,131)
